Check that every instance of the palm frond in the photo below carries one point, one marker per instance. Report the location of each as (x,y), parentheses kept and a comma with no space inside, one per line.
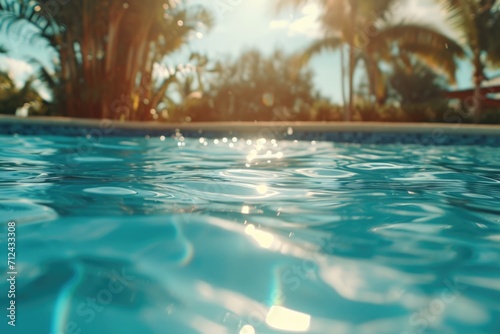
(376,78)
(460,15)
(437,50)
(379,9)
(318,46)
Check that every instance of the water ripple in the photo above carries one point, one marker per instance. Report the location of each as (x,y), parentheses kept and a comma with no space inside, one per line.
(227,235)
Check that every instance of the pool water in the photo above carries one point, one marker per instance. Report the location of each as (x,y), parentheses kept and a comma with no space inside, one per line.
(246,235)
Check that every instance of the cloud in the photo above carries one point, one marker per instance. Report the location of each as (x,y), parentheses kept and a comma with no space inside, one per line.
(425,12)
(305,24)
(279,24)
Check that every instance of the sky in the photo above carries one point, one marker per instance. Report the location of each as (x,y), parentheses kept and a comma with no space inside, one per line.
(245,24)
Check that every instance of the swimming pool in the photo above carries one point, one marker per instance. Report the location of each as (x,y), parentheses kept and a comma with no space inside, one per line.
(214,233)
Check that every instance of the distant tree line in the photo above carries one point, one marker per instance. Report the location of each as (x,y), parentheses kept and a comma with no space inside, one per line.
(110,61)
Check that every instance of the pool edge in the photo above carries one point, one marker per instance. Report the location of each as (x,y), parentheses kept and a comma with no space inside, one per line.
(256,127)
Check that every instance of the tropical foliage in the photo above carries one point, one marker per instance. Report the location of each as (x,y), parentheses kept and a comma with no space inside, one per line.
(416,84)
(13,98)
(252,87)
(368,30)
(256,87)
(111,62)
(478,22)
(106,50)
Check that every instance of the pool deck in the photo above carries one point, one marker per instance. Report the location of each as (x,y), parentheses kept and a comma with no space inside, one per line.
(256,127)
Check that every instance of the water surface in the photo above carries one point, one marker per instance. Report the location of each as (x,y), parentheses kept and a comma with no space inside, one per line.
(241,235)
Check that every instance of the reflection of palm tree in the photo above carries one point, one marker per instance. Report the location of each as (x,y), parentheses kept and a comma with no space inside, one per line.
(479,23)
(365,27)
(106,49)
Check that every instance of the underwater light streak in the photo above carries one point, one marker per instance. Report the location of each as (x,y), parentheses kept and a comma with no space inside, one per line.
(285,319)
(264,239)
(63,302)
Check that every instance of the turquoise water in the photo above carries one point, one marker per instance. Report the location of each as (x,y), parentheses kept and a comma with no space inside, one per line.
(243,236)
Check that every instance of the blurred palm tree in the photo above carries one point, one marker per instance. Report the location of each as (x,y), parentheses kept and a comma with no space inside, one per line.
(106,50)
(259,87)
(12,98)
(371,36)
(479,24)
(417,85)
(187,90)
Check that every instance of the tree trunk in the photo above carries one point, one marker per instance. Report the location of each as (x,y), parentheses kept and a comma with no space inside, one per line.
(342,81)
(478,79)
(352,59)
(350,109)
